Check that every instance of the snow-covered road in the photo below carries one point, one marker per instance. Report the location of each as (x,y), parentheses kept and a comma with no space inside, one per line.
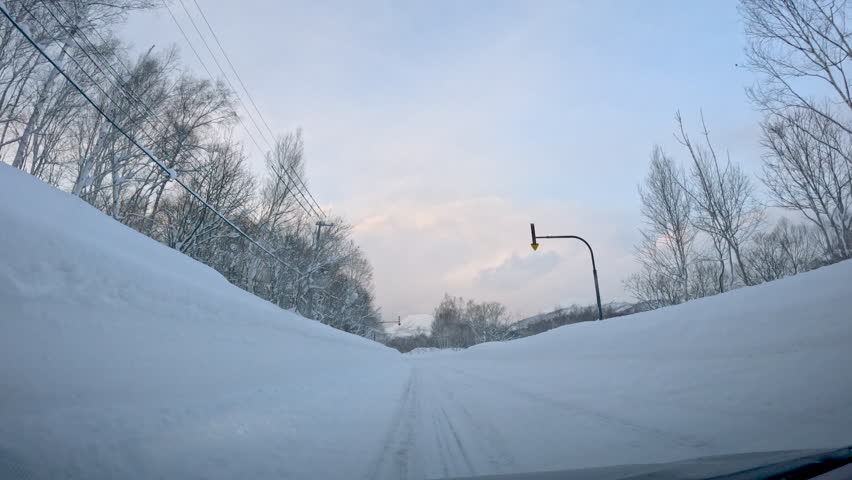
(758,369)
(436,431)
(462,416)
(121,358)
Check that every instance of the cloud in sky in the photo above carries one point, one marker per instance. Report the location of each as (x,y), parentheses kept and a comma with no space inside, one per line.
(442,129)
(479,248)
(517,270)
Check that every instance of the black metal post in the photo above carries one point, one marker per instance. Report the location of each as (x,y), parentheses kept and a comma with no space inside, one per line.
(319,225)
(534,245)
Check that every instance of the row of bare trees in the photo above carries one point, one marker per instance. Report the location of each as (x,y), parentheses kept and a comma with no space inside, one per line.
(704,227)
(48,130)
(460,323)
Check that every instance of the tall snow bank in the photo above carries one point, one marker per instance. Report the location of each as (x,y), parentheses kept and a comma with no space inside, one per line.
(756,369)
(122,358)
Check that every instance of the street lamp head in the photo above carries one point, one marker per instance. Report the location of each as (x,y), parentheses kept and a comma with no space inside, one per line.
(534,243)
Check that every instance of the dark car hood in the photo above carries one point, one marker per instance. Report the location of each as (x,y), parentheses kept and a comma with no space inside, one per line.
(791,465)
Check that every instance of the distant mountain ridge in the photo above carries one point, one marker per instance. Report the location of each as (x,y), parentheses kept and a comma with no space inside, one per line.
(572,314)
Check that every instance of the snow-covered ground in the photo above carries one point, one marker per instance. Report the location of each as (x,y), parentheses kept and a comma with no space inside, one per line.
(120,358)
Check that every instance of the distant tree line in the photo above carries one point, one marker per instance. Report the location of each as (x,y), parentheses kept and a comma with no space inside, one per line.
(705,230)
(48,130)
(460,323)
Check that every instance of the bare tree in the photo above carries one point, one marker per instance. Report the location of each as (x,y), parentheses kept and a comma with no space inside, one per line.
(19,63)
(489,321)
(59,24)
(706,276)
(786,250)
(449,328)
(222,179)
(668,234)
(722,193)
(458,323)
(653,288)
(285,162)
(802,54)
(798,47)
(808,168)
(107,163)
(194,115)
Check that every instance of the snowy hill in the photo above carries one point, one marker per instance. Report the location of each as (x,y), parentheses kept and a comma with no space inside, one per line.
(121,358)
(543,317)
(551,319)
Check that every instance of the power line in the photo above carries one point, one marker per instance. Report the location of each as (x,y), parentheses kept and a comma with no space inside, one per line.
(191,46)
(115,84)
(91,60)
(243,85)
(240,101)
(222,71)
(80,67)
(119,87)
(134,101)
(144,150)
(204,65)
(248,112)
(215,37)
(115,78)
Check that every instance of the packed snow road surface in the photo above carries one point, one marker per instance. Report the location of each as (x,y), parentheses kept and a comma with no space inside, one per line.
(491,410)
(121,358)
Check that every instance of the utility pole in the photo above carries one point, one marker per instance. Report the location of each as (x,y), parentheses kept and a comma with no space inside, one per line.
(319,225)
(534,246)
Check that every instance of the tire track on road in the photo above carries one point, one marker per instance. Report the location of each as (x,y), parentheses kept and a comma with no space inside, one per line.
(393,461)
(499,457)
(673,438)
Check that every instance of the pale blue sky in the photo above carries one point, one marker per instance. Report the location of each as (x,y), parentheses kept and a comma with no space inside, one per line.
(441,129)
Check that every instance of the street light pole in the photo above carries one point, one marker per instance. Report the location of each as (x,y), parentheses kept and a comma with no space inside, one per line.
(534,246)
